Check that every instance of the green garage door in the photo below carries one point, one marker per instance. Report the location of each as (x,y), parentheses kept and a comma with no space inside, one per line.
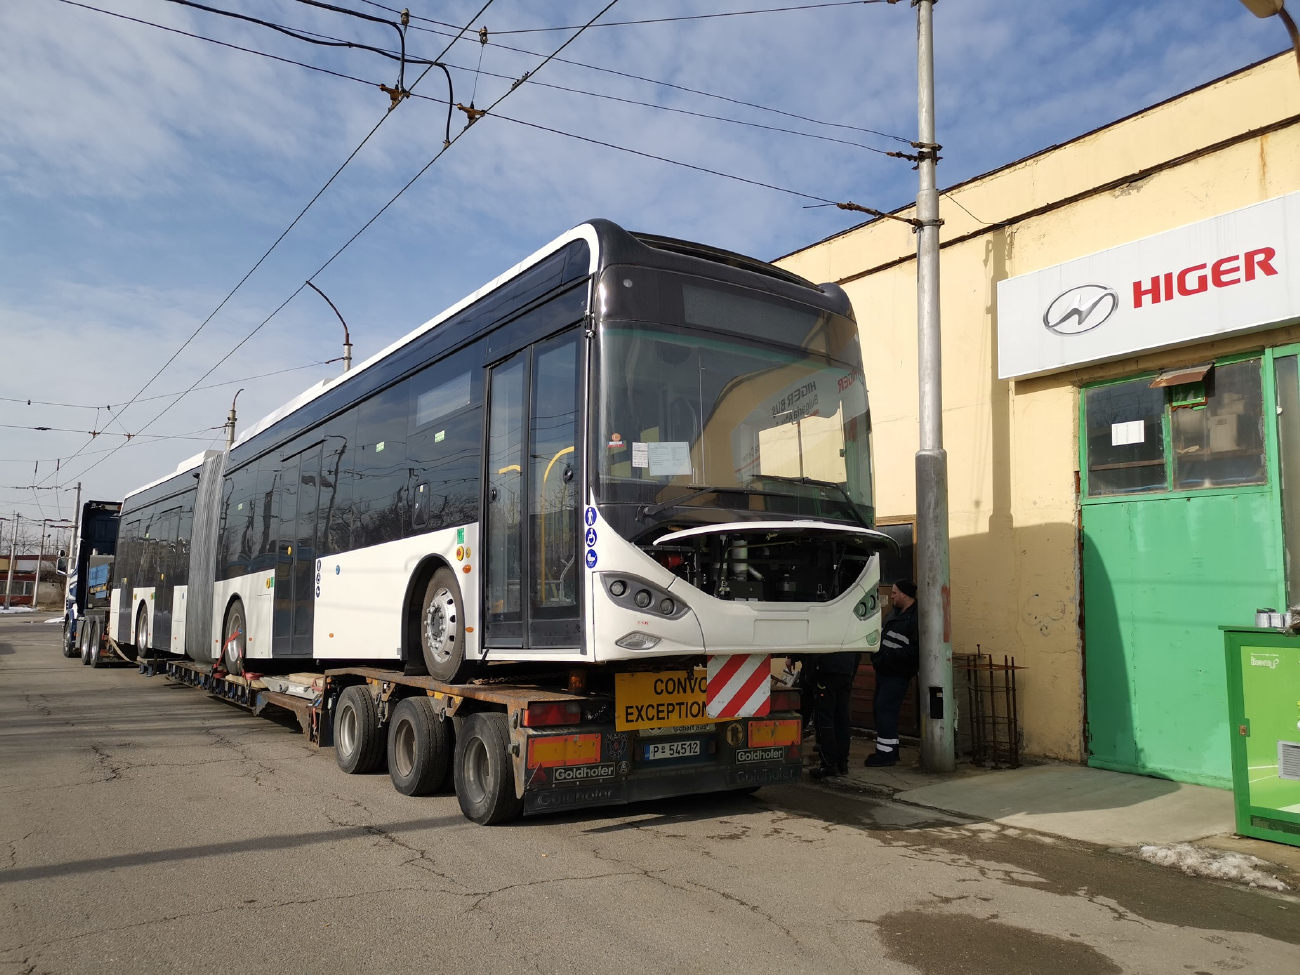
(1181,533)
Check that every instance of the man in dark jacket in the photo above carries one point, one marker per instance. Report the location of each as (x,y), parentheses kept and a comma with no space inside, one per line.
(831,685)
(896,662)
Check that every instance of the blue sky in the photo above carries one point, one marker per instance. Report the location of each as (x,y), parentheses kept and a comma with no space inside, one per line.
(142,172)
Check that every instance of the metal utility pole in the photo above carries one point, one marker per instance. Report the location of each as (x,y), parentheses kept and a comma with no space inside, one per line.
(1277,8)
(938,751)
(76,528)
(40,562)
(13,545)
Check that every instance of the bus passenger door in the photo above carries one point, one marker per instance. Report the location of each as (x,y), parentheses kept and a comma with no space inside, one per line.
(503,607)
(165,581)
(304,552)
(282,617)
(553,482)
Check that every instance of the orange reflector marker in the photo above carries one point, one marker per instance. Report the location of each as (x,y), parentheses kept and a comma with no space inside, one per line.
(464,568)
(553,750)
(762,733)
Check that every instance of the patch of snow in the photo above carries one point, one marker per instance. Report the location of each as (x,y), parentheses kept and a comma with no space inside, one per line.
(1194,861)
(55,619)
(16,609)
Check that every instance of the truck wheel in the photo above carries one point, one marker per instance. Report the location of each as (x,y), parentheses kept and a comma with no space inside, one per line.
(485,777)
(418,747)
(442,630)
(70,638)
(84,642)
(234,639)
(92,644)
(358,744)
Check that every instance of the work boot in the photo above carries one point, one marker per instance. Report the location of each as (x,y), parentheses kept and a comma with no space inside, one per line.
(881,759)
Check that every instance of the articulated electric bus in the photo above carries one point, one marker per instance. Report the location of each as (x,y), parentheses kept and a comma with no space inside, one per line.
(625,447)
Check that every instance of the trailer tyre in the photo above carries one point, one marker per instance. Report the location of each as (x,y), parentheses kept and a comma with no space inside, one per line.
(92,644)
(419,747)
(442,629)
(84,642)
(485,778)
(358,742)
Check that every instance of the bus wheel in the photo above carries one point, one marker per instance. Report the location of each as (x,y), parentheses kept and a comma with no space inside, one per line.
(141,632)
(234,639)
(92,645)
(70,638)
(358,745)
(485,778)
(442,630)
(418,747)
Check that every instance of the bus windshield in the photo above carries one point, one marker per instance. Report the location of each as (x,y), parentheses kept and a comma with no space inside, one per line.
(691,420)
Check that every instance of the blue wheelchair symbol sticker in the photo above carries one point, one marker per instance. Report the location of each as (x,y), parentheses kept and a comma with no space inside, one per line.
(591,558)
(591,537)
(591,516)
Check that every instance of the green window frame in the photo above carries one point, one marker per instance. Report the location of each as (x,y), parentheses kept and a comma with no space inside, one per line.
(1176,399)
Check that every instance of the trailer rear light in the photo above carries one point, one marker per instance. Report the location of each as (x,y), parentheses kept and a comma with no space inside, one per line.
(549,713)
(763,734)
(549,751)
(785,700)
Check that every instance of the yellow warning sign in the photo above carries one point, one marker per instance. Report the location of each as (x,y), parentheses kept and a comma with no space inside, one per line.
(660,700)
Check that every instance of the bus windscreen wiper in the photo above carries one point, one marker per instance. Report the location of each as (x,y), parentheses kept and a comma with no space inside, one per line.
(654,509)
(815,482)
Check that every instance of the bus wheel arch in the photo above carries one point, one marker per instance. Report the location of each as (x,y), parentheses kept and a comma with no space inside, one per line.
(442,631)
(412,646)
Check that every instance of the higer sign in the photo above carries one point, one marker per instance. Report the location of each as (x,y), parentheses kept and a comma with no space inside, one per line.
(1231,273)
(1196,280)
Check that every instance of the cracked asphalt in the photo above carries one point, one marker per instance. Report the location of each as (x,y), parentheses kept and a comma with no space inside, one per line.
(145,827)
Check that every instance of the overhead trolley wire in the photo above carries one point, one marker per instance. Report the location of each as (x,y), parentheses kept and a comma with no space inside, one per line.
(668,20)
(653,81)
(268,251)
(551,85)
(446,146)
(213,40)
(545,84)
(148,399)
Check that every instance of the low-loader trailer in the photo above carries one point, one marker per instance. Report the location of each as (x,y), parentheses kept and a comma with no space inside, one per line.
(525,741)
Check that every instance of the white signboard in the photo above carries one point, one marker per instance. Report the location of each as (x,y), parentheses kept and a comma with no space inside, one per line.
(1231,273)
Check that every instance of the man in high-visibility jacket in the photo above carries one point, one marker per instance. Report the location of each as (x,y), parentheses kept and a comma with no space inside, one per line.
(896,663)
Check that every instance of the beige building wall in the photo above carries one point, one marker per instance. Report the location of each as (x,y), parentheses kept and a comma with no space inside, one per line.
(1013,452)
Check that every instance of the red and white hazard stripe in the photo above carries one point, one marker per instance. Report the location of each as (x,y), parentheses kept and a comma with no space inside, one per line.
(739,685)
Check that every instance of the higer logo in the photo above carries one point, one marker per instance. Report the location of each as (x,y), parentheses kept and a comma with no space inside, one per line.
(1199,278)
(1080,309)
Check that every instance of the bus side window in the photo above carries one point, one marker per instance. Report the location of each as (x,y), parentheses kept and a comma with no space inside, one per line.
(381,471)
(444,445)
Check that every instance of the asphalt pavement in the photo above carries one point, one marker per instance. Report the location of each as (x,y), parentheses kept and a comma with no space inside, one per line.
(145,827)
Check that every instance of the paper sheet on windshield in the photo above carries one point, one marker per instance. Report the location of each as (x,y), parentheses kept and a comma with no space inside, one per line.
(668,457)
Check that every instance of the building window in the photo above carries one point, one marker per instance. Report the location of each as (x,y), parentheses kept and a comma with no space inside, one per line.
(1147,435)
(1126,444)
(1221,444)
